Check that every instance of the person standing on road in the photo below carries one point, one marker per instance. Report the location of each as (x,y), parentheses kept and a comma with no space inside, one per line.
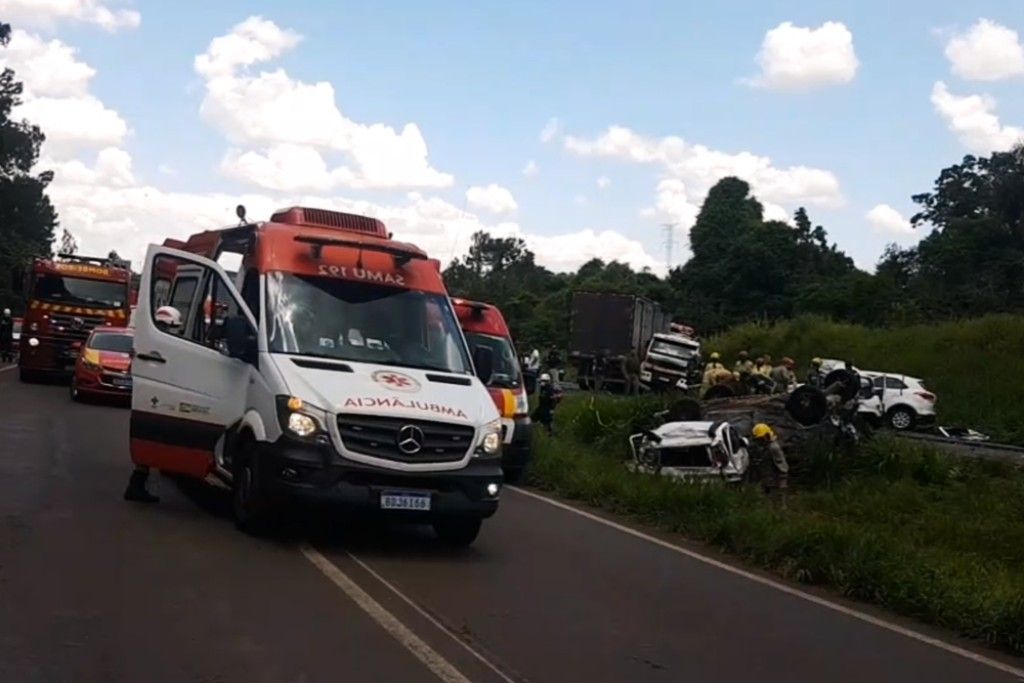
(137,491)
(764,366)
(6,337)
(631,372)
(714,372)
(767,456)
(554,363)
(744,366)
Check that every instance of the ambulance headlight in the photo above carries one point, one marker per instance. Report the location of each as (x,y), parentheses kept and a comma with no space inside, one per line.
(301,424)
(490,444)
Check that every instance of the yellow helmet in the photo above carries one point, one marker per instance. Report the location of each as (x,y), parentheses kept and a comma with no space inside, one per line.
(715,356)
(762,431)
(815,362)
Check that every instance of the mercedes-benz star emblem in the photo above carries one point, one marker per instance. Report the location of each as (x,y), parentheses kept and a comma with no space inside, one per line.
(410,439)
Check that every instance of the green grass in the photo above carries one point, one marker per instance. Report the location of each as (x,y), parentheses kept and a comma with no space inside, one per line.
(976,367)
(896,524)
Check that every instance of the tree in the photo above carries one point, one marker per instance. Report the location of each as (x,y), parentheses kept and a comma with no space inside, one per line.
(68,243)
(27,218)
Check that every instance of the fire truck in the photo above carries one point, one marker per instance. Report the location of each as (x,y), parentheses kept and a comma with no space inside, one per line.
(66,298)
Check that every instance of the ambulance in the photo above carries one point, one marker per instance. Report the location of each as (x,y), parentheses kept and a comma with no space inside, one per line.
(485,326)
(329,368)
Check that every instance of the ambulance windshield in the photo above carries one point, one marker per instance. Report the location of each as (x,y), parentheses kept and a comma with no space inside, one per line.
(363,323)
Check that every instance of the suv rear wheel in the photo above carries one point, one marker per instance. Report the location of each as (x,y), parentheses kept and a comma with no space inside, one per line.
(458,532)
(902,418)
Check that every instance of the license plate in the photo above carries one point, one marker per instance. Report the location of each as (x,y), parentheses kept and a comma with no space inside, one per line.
(405,501)
(123,382)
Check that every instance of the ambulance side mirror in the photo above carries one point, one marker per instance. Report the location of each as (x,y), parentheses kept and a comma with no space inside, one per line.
(240,339)
(483,360)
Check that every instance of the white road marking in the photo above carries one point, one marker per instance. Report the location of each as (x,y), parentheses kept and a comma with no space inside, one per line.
(426,615)
(440,666)
(842,609)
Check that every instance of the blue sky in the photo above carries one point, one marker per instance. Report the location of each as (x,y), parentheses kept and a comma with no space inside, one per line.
(480,81)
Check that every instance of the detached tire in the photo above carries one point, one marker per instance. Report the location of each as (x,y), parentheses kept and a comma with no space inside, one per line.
(849,383)
(250,504)
(457,532)
(807,406)
(901,419)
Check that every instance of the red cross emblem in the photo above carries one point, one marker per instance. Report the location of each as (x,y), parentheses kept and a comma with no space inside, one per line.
(396,381)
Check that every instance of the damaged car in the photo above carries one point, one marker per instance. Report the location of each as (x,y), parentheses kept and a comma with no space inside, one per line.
(691,451)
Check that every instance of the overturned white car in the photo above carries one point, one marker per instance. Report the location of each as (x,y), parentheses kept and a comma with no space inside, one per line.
(692,450)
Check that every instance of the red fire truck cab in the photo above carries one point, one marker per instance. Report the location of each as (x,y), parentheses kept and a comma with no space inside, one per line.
(66,298)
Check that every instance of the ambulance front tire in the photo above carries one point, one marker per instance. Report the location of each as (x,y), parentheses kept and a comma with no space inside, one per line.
(250,502)
(457,532)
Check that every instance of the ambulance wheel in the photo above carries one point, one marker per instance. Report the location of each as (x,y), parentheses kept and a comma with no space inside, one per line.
(513,475)
(249,501)
(27,376)
(458,532)
(75,396)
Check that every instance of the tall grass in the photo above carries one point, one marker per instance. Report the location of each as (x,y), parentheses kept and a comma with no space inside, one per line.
(896,524)
(976,367)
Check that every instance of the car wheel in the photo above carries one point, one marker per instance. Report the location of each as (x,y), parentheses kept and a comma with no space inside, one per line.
(902,419)
(249,501)
(75,396)
(458,532)
(513,475)
(27,376)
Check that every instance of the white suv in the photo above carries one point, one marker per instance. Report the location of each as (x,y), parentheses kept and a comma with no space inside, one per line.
(906,401)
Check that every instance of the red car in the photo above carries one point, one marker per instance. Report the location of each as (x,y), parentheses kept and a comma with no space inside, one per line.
(104,365)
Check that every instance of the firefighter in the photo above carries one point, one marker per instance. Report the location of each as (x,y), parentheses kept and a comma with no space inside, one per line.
(136,491)
(767,455)
(714,372)
(815,376)
(744,366)
(6,337)
(548,397)
(783,376)
(554,363)
(764,366)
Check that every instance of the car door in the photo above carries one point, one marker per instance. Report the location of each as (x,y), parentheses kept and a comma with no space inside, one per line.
(187,390)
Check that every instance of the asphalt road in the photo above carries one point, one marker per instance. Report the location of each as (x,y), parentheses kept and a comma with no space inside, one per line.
(96,589)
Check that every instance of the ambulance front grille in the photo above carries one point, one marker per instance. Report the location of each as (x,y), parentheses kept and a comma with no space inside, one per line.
(379,437)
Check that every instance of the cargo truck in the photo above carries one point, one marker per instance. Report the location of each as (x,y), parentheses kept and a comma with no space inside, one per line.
(604,328)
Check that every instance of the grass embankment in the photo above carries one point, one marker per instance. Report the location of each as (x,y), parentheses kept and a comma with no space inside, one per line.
(897,524)
(976,367)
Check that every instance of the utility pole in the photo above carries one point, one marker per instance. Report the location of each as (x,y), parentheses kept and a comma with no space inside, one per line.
(670,239)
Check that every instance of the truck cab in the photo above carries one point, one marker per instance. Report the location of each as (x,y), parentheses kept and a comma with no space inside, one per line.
(672,362)
(66,298)
(330,368)
(485,326)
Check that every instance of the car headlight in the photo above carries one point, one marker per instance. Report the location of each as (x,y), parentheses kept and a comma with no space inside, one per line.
(299,418)
(490,443)
(33,342)
(301,424)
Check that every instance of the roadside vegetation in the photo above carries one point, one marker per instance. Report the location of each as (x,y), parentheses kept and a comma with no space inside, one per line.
(974,366)
(900,525)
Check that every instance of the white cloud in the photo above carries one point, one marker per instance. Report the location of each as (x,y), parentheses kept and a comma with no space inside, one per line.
(551,130)
(569,252)
(531,169)
(691,170)
(986,52)
(493,198)
(580,200)
(47,13)
(799,58)
(56,96)
(973,120)
(264,111)
(167,169)
(886,220)
(604,182)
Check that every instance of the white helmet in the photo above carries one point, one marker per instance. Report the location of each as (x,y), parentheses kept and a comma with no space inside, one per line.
(168,316)
(545,377)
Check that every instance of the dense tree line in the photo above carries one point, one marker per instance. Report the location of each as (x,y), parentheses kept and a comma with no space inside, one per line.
(747,268)
(27,218)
